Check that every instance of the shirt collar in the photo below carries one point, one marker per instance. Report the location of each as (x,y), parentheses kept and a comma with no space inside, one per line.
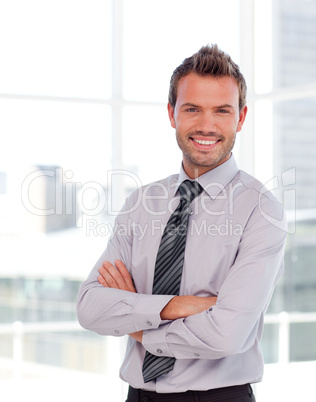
(215,179)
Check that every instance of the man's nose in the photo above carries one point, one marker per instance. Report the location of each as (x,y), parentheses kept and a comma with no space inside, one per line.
(205,123)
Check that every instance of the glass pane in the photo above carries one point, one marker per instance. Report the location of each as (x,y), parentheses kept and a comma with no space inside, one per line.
(285,30)
(159,35)
(304,336)
(150,149)
(75,136)
(295,44)
(54,155)
(286,158)
(294,131)
(285,146)
(59,48)
(54,163)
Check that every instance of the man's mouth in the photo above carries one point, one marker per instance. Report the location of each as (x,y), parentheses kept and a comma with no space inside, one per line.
(204,142)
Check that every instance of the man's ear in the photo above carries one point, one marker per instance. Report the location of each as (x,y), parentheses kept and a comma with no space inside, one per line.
(242,116)
(171,115)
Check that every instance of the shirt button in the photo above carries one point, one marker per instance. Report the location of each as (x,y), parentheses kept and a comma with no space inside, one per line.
(191,212)
(196,355)
(116,331)
(149,323)
(159,351)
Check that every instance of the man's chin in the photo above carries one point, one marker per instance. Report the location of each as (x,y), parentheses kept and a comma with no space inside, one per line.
(205,164)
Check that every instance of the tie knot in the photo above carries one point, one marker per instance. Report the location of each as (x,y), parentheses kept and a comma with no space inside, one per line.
(189,190)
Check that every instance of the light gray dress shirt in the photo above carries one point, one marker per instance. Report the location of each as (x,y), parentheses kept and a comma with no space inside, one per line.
(234,251)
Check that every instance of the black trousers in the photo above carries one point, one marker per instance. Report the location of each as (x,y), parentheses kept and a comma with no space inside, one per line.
(238,393)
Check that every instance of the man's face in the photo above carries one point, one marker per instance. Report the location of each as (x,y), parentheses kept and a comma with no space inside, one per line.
(206,118)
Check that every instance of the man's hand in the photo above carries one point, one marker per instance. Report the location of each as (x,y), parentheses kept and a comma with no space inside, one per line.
(137,335)
(184,306)
(116,276)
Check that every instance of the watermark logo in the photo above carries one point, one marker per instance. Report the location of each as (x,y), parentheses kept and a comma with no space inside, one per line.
(90,200)
(46,192)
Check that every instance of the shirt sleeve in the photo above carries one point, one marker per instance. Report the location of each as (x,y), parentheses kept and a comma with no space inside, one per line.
(113,311)
(234,323)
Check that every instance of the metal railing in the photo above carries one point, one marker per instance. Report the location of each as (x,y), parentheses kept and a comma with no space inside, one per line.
(18,330)
(284,320)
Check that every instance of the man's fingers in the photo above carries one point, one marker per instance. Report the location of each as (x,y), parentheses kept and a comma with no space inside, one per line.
(116,277)
(125,275)
(102,281)
(108,274)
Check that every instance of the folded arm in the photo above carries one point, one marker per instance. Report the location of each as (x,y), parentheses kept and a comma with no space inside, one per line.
(200,327)
(117,311)
(117,277)
(107,302)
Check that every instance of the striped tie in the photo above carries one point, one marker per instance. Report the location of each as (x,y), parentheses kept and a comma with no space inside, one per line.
(168,269)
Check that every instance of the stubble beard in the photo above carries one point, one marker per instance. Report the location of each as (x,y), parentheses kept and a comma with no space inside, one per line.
(205,159)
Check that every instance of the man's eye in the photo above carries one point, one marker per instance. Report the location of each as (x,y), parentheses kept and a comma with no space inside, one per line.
(191,109)
(223,111)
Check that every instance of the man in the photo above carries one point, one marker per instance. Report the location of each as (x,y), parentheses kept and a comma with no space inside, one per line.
(193,308)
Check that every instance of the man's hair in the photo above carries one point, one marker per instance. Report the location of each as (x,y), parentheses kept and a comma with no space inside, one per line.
(208,61)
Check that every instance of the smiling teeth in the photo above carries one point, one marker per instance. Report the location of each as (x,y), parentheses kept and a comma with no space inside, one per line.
(203,142)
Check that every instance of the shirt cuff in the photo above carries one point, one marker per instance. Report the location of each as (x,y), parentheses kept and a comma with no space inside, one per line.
(155,341)
(146,311)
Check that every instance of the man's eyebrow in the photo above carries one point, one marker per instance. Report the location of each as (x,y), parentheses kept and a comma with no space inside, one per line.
(225,106)
(188,104)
